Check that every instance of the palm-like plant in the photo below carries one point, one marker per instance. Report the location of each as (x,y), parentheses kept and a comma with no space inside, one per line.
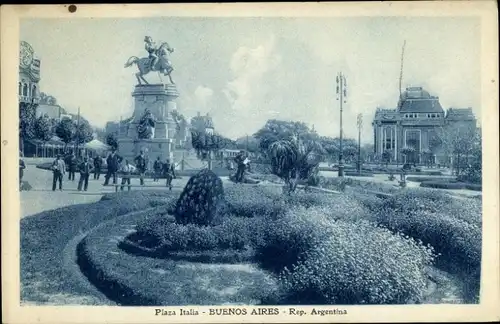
(294,160)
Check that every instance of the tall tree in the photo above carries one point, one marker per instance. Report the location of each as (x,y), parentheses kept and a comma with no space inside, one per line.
(459,142)
(275,130)
(65,130)
(249,143)
(83,132)
(112,141)
(43,128)
(27,117)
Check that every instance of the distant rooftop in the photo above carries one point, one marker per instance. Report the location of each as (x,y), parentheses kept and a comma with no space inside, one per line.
(418,100)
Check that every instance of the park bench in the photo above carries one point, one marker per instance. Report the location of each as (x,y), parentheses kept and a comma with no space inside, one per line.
(148,176)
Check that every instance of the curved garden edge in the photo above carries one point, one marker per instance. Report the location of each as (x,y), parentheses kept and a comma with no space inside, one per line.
(133,280)
(206,257)
(109,286)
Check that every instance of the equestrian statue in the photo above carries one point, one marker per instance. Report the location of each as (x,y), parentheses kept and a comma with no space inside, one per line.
(157,61)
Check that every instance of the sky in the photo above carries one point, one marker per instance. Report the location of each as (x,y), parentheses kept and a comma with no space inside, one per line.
(245,71)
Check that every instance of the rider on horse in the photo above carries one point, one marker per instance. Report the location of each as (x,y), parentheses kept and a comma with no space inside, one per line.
(150,47)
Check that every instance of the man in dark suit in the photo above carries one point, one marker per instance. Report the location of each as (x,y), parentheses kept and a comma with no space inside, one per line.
(239,159)
(113,164)
(97,167)
(58,168)
(169,173)
(141,165)
(22,166)
(85,169)
(73,164)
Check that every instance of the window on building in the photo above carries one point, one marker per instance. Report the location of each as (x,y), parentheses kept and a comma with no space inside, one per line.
(20,88)
(413,139)
(25,90)
(389,138)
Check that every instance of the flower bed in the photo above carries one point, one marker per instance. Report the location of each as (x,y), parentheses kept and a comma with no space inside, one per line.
(324,261)
(452,226)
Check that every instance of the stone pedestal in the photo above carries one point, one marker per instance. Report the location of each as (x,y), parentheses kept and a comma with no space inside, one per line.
(159,99)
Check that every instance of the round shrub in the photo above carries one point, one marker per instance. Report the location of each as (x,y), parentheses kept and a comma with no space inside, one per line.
(202,200)
(358,264)
(165,235)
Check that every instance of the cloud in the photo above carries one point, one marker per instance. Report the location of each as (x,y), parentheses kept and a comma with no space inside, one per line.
(249,65)
(203,95)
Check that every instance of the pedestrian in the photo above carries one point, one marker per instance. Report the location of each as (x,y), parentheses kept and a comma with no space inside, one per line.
(141,165)
(73,164)
(112,167)
(58,169)
(97,167)
(169,173)
(157,168)
(127,170)
(85,169)
(22,166)
(239,159)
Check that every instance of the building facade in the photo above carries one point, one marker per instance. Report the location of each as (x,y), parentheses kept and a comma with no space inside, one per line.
(416,123)
(29,75)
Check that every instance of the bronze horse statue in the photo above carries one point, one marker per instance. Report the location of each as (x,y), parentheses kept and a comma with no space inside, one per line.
(162,65)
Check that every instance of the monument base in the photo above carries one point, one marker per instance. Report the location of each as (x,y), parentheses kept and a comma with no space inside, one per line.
(153,148)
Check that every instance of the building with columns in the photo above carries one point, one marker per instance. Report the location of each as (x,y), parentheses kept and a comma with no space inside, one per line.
(29,75)
(415,123)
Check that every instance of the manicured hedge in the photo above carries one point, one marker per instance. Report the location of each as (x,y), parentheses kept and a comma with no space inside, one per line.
(356,174)
(357,185)
(430,178)
(451,185)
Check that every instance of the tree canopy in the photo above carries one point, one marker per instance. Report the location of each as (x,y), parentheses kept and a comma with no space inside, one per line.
(65,130)
(43,128)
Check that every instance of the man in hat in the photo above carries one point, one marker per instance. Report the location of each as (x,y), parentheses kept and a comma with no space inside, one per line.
(73,164)
(141,165)
(58,169)
(151,48)
(127,170)
(22,166)
(113,163)
(85,169)
(169,173)
(157,168)
(97,167)
(239,159)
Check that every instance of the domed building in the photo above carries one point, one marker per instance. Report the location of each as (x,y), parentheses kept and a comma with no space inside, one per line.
(415,123)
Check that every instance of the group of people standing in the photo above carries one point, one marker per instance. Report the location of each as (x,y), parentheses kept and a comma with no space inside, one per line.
(59,170)
(115,165)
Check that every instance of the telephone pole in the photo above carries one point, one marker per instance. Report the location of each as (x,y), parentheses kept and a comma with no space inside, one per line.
(341,96)
(360,125)
(77,140)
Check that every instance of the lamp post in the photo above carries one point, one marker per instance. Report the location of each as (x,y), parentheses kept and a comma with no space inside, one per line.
(341,96)
(359,122)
